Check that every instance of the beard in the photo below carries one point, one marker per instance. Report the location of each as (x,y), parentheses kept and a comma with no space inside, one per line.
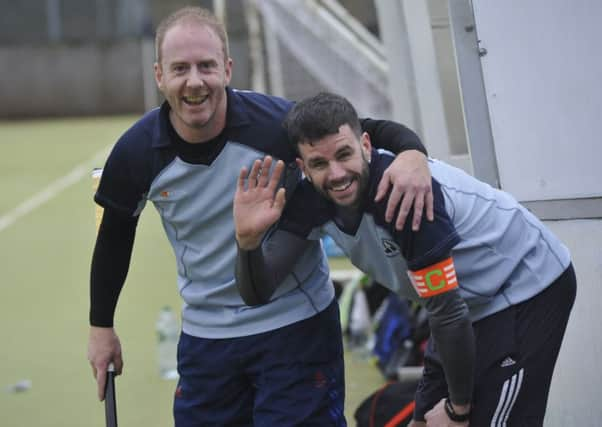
(361,178)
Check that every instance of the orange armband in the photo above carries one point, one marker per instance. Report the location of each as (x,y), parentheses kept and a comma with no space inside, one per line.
(434,279)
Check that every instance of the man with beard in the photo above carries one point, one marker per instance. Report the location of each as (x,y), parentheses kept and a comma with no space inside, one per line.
(497,284)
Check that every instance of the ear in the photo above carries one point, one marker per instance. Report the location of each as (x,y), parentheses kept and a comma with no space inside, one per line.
(158,75)
(366,145)
(301,165)
(228,70)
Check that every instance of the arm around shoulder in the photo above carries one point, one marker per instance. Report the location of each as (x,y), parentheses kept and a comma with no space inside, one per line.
(408,179)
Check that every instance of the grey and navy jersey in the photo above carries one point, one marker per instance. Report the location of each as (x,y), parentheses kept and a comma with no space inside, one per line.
(502,253)
(195,205)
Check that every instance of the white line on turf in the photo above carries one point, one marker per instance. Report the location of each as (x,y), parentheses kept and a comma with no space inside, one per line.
(54,189)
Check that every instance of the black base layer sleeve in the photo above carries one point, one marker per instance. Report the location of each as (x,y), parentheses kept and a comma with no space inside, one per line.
(260,271)
(452,332)
(110,265)
(392,136)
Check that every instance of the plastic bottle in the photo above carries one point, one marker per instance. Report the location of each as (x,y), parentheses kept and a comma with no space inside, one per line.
(360,320)
(168,330)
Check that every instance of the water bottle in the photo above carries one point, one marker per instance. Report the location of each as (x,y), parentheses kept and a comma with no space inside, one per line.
(360,322)
(168,331)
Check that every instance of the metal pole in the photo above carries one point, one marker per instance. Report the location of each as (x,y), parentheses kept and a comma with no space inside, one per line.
(472,92)
(53,19)
(255,46)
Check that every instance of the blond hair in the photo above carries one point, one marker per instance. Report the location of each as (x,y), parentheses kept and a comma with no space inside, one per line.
(197,15)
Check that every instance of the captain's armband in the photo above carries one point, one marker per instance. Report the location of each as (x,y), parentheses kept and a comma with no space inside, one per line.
(434,279)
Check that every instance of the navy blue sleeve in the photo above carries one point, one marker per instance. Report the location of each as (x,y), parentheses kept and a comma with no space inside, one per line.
(435,239)
(127,174)
(304,211)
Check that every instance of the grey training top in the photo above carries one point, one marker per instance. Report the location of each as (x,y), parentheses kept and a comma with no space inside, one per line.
(502,253)
(192,188)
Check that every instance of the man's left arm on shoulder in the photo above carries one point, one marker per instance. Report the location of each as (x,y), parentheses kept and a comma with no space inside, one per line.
(408,179)
(432,273)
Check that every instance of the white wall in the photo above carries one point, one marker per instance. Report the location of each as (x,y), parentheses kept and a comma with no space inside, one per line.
(540,78)
(531,99)
(541,74)
(575,398)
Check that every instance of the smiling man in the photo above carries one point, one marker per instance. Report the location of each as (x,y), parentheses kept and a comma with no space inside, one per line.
(238,365)
(193,67)
(497,284)
(346,179)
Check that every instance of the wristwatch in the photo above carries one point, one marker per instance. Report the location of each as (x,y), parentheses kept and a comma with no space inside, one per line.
(459,418)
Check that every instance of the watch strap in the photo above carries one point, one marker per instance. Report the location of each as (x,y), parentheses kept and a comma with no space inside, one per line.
(459,418)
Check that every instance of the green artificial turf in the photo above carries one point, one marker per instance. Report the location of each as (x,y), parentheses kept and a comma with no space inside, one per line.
(45,253)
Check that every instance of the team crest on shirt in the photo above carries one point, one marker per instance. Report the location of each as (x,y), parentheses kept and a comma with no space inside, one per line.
(391,248)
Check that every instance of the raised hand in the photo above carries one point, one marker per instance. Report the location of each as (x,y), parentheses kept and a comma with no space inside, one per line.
(258,205)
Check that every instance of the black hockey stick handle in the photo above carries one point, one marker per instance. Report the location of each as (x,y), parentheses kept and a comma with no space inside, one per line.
(110,404)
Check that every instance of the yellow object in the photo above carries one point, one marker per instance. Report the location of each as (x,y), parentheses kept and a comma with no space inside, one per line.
(96,173)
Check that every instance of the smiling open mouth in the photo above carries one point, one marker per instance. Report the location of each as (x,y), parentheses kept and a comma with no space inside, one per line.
(194,100)
(341,185)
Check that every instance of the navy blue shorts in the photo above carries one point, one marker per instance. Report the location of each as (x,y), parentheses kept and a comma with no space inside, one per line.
(516,350)
(292,376)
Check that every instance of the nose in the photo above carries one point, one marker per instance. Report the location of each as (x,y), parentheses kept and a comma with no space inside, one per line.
(336,171)
(195,78)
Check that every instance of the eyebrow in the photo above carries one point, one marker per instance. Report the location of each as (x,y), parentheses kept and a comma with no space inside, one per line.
(343,149)
(177,63)
(314,160)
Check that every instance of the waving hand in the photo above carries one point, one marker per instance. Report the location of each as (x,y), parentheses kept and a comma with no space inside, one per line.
(258,205)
